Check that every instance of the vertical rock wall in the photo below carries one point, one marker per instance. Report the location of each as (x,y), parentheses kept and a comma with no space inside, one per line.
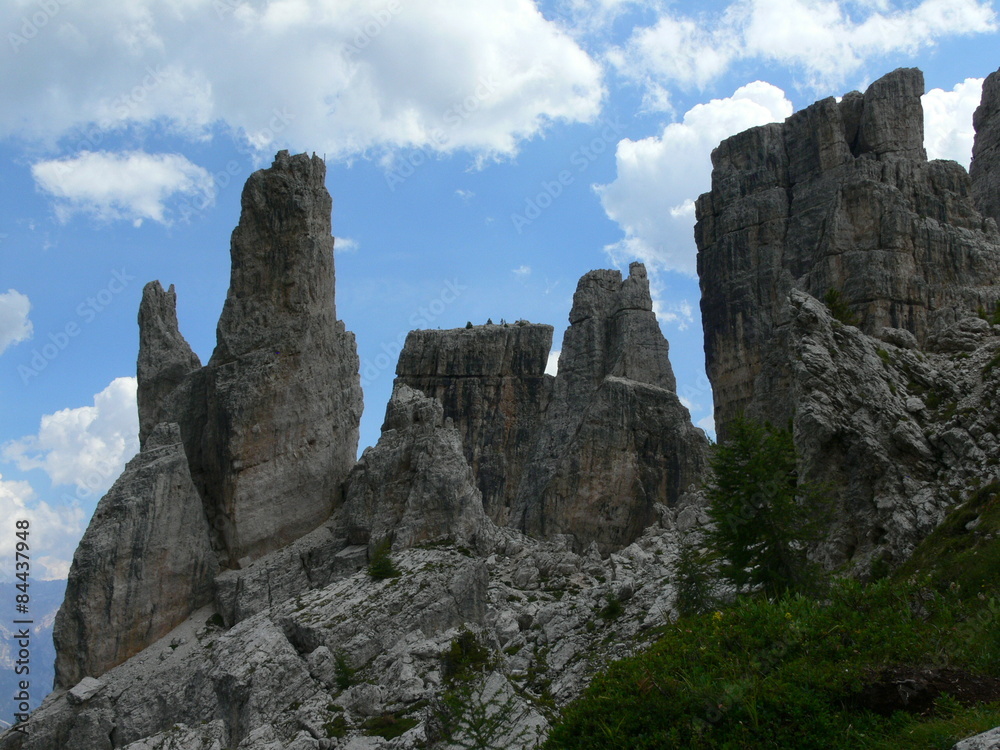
(838,197)
(491,383)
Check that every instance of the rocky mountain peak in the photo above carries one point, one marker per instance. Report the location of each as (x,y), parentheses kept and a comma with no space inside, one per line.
(985,168)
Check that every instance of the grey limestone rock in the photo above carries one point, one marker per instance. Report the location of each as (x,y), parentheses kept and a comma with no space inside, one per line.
(985,167)
(276,431)
(492,384)
(839,197)
(615,439)
(986,741)
(415,484)
(165,358)
(143,565)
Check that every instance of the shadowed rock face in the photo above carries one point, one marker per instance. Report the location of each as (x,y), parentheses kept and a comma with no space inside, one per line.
(615,440)
(491,383)
(272,421)
(985,167)
(839,196)
(144,564)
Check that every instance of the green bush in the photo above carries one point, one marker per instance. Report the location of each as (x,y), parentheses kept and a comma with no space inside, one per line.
(343,673)
(839,308)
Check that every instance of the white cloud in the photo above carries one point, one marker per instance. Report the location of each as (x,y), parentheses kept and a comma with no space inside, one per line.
(133,186)
(14,324)
(86,447)
(334,76)
(345,245)
(522,272)
(552,365)
(53,532)
(948,131)
(827,40)
(707,424)
(652,197)
(465,195)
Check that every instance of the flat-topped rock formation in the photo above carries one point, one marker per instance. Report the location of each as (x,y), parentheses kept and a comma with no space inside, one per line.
(491,383)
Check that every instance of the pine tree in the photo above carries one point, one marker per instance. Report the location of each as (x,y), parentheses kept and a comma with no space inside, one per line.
(763,517)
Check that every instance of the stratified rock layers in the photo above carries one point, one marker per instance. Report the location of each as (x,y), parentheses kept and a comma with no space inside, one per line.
(492,384)
(144,564)
(615,439)
(838,197)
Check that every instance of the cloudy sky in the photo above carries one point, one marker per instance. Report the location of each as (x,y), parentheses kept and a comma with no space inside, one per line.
(482,156)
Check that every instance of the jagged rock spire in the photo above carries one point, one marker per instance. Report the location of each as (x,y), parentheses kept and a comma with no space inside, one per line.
(165,358)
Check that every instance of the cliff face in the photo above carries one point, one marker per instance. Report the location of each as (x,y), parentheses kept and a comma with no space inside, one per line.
(491,383)
(615,440)
(841,197)
(838,197)
(985,168)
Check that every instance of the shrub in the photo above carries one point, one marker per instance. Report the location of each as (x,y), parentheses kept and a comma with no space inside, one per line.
(839,308)
(381,565)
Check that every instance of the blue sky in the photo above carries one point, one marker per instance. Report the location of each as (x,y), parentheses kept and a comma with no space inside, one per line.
(481,157)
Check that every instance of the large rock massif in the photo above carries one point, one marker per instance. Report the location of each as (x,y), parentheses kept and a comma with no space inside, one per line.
(219,599)
(883,383)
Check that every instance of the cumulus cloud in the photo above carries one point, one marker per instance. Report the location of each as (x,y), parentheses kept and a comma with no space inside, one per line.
(14,324)
(53,531)
(134,185)
(85,447)
(826,40)
(658,178)
(334,76)
(948,131)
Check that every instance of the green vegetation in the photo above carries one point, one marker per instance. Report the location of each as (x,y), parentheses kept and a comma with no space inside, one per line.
(786,667)
(389,726)
(798,673)
(342,671)
(381,565)
(465,657)
(992,318)
(839,308)
(763,517)
(612,610)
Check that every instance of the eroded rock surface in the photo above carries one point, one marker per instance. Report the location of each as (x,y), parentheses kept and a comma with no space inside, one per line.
(838,197)
(415,485)
(985,167)
(615,439)
(492,384)
(144,564)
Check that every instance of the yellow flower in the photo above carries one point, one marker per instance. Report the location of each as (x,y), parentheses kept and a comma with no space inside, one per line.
(717,616)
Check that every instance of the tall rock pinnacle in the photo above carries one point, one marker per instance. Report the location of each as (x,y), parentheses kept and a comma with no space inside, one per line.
(282,391)
(615,439)
(165,358)
(239,457)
